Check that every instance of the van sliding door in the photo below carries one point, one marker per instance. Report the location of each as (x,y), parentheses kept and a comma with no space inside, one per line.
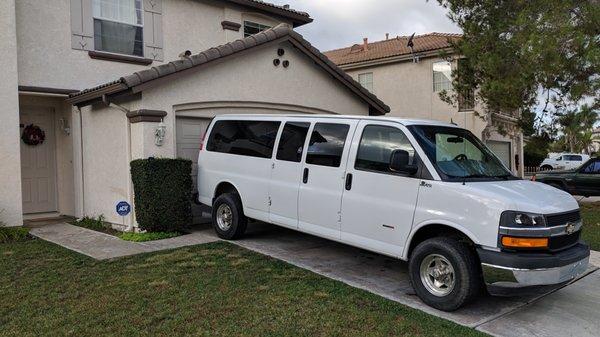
(320,192)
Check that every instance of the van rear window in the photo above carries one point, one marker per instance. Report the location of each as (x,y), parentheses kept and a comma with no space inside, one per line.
(243,137)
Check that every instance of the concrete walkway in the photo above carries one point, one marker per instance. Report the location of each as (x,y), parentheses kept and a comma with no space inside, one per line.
(102,246)
(573,310)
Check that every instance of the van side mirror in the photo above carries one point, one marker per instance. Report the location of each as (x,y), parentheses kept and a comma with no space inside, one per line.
(399,162)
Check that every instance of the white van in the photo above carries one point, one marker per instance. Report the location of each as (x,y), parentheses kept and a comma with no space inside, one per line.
(421,191)
(563,161)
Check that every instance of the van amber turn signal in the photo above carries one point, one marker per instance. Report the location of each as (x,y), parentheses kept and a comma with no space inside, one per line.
(508,241)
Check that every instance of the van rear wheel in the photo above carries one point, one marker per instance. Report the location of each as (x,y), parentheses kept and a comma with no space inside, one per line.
(444,273)
(228,216)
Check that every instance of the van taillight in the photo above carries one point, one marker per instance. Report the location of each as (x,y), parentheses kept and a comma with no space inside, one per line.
(202,141)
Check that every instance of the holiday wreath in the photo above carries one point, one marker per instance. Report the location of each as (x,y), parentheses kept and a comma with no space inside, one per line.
(33,135)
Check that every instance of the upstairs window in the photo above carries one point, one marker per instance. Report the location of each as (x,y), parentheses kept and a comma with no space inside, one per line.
(442,76)
(366,80)
(251,28)
(118,26)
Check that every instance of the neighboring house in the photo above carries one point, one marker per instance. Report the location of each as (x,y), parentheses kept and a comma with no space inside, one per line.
(55,49)
(596,141)
(410,82)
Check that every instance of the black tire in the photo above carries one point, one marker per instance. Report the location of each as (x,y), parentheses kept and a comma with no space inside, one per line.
(239,221)
(467,274)
(546,168)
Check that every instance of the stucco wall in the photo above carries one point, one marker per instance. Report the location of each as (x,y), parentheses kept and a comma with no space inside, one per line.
(254,78)
(47,60)
(106,178)
(10,167)
(407,88)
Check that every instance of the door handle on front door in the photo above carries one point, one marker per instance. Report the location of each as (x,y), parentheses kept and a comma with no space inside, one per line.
(348,181)
(305,175)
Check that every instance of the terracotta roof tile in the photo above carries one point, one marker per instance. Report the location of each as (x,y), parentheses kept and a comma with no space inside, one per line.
(392,47)
(297,16)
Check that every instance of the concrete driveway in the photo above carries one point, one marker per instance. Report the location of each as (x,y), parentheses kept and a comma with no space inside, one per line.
(570,311)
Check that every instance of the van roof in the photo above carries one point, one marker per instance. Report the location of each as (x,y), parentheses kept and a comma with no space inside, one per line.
(403,121)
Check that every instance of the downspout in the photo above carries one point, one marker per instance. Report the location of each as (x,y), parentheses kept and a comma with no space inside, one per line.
(82,161)
(105,99)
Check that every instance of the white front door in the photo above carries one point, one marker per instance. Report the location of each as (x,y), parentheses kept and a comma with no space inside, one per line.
(320,193)
(378,204)
(286,174)
(38,163)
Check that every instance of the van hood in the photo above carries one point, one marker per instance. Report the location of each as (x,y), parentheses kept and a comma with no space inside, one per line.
(528,196)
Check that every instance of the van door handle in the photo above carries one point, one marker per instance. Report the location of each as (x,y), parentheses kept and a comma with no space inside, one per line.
(348,181)
(305,175)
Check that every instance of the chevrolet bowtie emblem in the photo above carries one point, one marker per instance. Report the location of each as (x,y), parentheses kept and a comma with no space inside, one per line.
(570,228)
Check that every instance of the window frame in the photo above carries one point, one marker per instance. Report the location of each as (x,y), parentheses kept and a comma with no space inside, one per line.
(138,25)
(261,27)
(371,83)
(433,81)
(415,159)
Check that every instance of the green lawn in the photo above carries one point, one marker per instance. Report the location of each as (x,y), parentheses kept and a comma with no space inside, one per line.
(209,290)
(590,212)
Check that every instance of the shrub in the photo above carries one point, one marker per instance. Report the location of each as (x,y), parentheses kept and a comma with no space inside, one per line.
(13,234)
(163,193)
(148,236)
(98,224)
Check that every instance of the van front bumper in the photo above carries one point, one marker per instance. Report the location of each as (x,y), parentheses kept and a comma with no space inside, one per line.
(513,270)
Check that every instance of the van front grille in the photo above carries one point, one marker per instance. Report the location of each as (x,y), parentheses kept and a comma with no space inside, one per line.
(561,219)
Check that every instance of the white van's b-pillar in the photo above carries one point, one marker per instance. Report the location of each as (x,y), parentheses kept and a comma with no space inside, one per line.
(11,203)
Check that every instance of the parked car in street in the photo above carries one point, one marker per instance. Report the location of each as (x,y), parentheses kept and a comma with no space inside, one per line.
(564,161)
(425,192)
(584,180)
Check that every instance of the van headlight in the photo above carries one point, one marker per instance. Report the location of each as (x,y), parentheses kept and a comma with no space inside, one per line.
(522,219)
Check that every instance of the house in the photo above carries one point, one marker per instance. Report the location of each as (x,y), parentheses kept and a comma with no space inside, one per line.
(410,80)
(90,85)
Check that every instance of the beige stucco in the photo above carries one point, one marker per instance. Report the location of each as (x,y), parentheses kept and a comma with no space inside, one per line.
(247,83)
(10,167)
(407,87)
(47,60)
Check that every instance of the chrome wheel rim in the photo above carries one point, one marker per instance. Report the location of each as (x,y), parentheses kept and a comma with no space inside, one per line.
(437,275)
(224,217)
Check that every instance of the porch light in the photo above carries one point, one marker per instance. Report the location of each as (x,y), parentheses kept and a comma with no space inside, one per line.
(159,133)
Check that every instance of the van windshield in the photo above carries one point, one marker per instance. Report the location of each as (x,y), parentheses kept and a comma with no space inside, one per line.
(458,155)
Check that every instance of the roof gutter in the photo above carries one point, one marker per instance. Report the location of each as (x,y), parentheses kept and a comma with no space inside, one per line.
(94,94)
(394,59)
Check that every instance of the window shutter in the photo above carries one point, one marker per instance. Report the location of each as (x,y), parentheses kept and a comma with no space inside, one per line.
(153,35)
(82,25)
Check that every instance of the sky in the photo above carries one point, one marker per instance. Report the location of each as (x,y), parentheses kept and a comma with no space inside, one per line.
(342,23)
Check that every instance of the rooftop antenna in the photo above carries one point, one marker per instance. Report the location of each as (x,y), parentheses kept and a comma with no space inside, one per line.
(411,45)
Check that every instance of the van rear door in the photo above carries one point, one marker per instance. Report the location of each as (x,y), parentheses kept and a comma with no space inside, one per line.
(320,192)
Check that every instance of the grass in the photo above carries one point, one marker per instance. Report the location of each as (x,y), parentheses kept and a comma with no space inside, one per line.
(590,212)
(142,237)
(216,289)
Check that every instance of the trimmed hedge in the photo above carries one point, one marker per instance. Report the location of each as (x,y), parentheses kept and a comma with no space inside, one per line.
(163,193)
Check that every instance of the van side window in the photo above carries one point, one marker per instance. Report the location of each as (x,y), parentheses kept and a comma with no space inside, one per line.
(292,141)
(246,138)
(376,146)
(327,144)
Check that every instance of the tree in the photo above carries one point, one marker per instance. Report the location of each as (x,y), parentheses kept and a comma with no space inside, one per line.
(515,49)
(575,128)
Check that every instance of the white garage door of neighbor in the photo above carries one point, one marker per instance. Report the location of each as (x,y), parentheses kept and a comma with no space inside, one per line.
(189,135)
(502,151)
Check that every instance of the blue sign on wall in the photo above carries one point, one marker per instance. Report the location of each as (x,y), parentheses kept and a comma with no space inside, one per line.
(123,208)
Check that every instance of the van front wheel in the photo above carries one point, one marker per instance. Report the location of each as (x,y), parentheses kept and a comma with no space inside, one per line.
(444,273)
(228,216)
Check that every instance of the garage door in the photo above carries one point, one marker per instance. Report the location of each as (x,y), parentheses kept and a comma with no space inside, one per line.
(502,151)
(189,134)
